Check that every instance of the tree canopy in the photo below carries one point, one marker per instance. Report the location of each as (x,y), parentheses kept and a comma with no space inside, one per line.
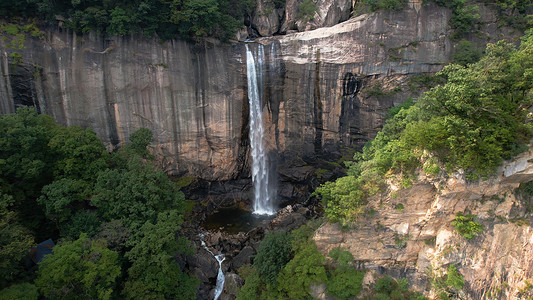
(166,18)
(60,182)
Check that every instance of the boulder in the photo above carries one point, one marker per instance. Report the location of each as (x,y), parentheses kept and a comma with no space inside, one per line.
(244,257)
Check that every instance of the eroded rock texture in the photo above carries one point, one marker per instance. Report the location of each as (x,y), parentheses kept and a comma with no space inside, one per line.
(410,233)
(194,96)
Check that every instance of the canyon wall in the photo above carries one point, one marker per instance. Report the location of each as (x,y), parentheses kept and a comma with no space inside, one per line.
(194,96)
(409,233)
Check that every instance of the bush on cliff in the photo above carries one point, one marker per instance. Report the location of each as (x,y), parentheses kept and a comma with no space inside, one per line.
(478,118)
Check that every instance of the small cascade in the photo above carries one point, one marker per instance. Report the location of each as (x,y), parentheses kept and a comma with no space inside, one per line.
(220,276)
(263,195)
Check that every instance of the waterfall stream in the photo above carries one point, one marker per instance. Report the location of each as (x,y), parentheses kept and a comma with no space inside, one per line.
(263,196)
(220,275)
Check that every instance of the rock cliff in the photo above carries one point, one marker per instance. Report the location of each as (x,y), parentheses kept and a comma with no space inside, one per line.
(325,89)
(409,233)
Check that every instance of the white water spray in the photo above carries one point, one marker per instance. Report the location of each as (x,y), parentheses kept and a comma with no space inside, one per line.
(263,196)
(220,276)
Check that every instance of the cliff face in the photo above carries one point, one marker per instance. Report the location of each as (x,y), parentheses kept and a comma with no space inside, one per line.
(190,96)
(416,237)
(194,97)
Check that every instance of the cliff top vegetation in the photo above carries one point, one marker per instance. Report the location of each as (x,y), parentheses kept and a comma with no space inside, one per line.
(478,118)
(168,19)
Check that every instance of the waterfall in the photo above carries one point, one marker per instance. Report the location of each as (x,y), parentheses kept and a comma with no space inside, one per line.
(220,276)
(263,195)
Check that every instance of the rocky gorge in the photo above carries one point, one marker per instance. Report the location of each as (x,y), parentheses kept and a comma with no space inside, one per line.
(193,96)
(329,83)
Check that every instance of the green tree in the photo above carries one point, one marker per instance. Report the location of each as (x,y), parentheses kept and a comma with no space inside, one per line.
(21,291)
(154,273)
(135,195)
(274,252)
(15,243)
(79,153)
(306,11)
(344,281)
(81,268)
(63,197)
(83,221)
(466,53)
(306,267)
(140,140)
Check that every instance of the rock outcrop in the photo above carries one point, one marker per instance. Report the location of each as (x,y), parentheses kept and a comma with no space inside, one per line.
(194,96)
(409,233)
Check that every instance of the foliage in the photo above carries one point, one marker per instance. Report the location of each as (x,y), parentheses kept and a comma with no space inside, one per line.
(83,221)
(388,288)
(168,19)
(465,19)
(446,285)
(424,81)
(21,291)
(472,122)
(343,258)
(344,281)
(66,174)
(274,252)
(135,195)
(466,226)
(62,197)
(15,241)
(466,53)
(154,273)
(115,234)
(306,11)
(81,268)
(79,154)
(252,285)
(306,267)
(342,199)
(376,5)
(140,140)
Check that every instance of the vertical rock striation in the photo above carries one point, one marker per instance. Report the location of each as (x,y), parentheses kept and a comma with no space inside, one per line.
(194,96)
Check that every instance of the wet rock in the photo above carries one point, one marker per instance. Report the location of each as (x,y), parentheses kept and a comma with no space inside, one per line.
(203,265)
(232,285)
(244,257)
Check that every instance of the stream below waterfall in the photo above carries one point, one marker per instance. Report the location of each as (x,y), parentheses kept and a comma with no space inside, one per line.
(220,275)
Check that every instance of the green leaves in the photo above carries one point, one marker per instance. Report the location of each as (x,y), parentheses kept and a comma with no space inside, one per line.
(135,195)
(82,268)
(274,252)
(466,226)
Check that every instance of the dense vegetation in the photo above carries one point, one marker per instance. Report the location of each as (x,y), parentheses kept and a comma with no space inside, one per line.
(167,19)
(300,265)
(478,118)
(115,215)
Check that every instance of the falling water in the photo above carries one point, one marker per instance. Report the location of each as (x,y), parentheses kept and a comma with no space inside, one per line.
(263,196)
(220,276)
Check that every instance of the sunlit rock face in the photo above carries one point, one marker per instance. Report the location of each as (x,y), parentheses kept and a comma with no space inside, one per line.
(194,97)
(409,240)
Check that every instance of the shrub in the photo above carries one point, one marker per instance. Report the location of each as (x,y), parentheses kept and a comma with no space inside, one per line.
(306,267)
(307,10)
(446,285)
(345,283)
(466,53)
(466,226)
(273,254)
(376,5)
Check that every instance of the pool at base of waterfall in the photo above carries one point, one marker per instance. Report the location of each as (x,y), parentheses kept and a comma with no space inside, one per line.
(234,220)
